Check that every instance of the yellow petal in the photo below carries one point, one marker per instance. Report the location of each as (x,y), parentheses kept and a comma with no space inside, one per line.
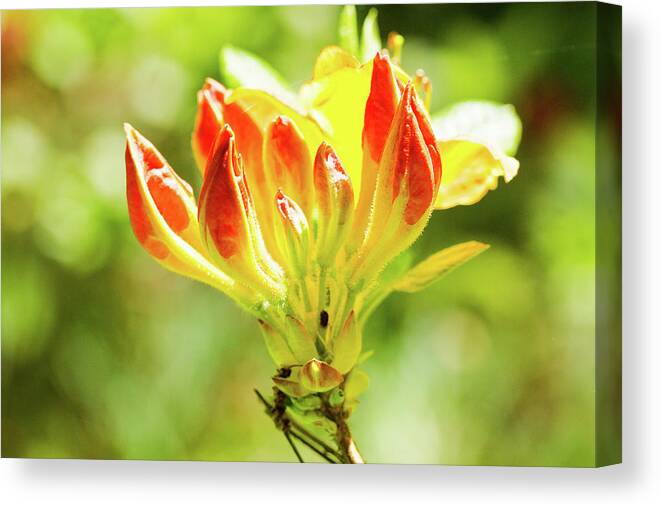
(337,103)
(470,170)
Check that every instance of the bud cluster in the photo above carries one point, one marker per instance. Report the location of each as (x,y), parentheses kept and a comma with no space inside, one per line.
(278,225)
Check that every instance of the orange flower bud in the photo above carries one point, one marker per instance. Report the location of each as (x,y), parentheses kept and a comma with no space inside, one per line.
(215,109)
(287,160)
(208,121)
(407,183)
(295,233)
(163,215)
(380,107)
(379,112)
(410,160)
(335,201)
(227,216)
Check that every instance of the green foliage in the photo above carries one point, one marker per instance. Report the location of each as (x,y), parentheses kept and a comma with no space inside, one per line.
(348,30)
(438,265)
(241,68)
(370,42)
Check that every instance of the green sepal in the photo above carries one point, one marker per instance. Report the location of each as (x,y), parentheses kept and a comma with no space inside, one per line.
(319,376)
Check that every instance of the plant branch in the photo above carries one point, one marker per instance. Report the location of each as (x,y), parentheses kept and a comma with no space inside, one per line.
(292,429)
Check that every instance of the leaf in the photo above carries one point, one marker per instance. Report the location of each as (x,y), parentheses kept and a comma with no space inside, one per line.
(494,124)
(357,382)
(240,68)
(470,170)
(331,59)
(371,38)
(438,265)
(348,30)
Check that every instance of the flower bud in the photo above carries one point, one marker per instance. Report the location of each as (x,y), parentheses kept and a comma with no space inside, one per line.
(163,215)
(407,184)
(227,218)
(216,108)
(287,161)
(295,234)
(208,120)
(379,112)
(318,376)
(335,203)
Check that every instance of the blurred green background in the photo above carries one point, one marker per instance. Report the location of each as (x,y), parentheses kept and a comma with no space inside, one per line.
(107,355)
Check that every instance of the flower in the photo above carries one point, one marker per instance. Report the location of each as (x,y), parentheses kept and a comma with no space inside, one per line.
(305,201)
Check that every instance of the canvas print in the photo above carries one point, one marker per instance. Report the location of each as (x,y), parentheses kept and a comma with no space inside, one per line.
(337,234)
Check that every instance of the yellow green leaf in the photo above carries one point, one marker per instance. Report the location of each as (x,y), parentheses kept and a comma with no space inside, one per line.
(437,265)
(331,59)
(371,38)
(348,30)
(357,382)
(470,170)
(240,68)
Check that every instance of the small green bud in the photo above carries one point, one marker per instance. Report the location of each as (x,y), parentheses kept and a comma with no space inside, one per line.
(336,397)
(307,403)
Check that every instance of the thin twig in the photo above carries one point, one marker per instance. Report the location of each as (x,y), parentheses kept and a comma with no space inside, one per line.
(293,446)
(320,452)
(294,431)
(315,439)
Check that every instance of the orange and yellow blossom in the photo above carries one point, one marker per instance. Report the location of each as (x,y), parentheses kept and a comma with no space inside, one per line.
(303,205)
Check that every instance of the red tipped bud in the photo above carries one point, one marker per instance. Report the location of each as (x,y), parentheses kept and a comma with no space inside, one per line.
(411,159)
(208,121)
(379,113)
(380,107)
(287,160)
(295,237)
(164,216)
(227,216)
(154,190)
(335,202)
